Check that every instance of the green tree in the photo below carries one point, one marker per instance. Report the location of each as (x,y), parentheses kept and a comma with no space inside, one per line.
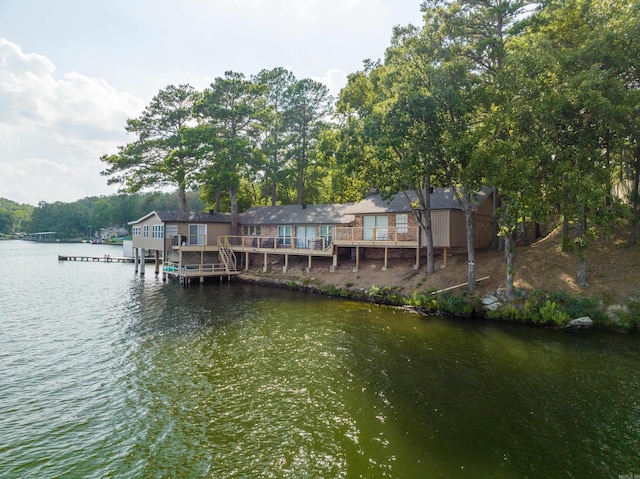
(308,106)
(164,153)
(274,139)
(232,106)
(571,102)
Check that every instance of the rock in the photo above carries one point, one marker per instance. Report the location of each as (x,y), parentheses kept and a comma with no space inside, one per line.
(490,302)
(584,322)
(615,312)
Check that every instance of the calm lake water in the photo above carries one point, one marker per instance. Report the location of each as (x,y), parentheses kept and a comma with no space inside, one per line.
(105,374)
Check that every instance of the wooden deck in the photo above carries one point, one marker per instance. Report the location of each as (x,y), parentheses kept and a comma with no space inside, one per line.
(100,259)
(275,245)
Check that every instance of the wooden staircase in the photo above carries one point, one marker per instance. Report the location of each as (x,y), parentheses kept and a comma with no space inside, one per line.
(227,255)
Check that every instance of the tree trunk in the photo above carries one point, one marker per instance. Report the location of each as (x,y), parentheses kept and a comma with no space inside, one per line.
(581,248)
(467,205)
(274,191)
(509,253)
(234,210)
(182,196)
(426,221)
(496,241)
(635,198)
(565,233)
(218,198)
(300,186)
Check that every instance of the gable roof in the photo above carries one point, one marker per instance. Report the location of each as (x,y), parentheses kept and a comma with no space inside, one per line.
(297,215)
(186,217)
(441,199)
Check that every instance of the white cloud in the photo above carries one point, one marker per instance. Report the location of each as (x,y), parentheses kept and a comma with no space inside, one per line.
(335,80)
(54,130)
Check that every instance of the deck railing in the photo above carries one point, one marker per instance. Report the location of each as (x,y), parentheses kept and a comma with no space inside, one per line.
(172,267)
(387,235)
(281,242)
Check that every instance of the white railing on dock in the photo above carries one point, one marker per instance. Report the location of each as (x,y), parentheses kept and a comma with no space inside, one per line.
(195,269)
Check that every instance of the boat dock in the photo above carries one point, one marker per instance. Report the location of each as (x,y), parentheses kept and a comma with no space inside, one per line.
(101,259)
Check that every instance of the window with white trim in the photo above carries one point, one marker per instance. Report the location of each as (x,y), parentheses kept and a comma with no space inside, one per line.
(251,230)
(197,234)
(284,235)
(135,231)
(158,231)
(145,231)
(402,223)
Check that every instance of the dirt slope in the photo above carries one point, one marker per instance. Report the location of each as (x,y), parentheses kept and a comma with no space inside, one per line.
(613,269)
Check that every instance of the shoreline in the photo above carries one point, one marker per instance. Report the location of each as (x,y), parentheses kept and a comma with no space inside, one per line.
(549,311)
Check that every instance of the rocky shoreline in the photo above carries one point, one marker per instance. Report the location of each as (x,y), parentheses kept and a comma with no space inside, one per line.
(489,306)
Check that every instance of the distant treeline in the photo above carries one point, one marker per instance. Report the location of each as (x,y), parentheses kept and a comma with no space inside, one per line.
(85,217)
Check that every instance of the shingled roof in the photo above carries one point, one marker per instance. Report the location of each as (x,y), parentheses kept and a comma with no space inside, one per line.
(297,215)
(441,199)
(187,217)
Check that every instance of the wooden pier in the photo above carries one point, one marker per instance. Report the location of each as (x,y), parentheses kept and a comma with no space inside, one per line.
(101,259)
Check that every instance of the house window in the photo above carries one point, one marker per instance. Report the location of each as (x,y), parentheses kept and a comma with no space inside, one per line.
(375,227)
(284,235)
(158,231)
(135,231)
(197,234)
(326,232)
(402,223)
(145,231)
(305,236)
(251,230)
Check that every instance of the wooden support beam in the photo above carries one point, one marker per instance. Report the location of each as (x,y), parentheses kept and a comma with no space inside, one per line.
(157,262)
(143,255)
(458,285)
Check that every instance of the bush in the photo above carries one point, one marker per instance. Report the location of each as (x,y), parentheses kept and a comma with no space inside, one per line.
(552,313)
(508,312)
(454,305)
(426,301)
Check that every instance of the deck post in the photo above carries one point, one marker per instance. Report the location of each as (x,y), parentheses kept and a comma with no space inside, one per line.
(417,265)
(264,264)
(286,263)
(246,261)
(334,266)
(386,254)
(355,269)
(143,254)
(444,258)
(309,267)
(135,259)
(157,262)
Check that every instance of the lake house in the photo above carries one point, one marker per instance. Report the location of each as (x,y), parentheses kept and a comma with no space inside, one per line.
(200,244)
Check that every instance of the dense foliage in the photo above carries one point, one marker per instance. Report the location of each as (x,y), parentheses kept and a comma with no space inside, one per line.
(14,217)
(84,218)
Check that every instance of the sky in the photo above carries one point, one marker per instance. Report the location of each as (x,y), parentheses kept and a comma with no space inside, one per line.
(73,71)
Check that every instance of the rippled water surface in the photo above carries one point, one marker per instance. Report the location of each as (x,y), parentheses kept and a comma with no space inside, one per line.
(106,374)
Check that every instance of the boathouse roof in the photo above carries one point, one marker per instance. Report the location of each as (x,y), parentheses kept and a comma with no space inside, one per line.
(328,214)
(441,199)
(187,217)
